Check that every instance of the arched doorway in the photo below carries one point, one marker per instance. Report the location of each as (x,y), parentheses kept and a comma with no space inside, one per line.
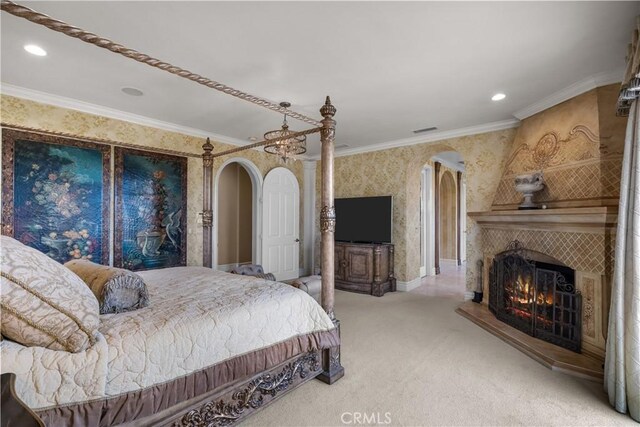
(442,212)
(237,214)
(448,217)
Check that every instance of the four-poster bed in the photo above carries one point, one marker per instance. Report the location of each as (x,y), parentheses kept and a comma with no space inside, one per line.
(230,388)
(332,368)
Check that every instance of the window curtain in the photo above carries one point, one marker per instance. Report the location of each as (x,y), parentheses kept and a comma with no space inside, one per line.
(622,364)
(631,81)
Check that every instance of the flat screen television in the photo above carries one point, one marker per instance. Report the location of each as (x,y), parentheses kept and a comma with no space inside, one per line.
(364,219)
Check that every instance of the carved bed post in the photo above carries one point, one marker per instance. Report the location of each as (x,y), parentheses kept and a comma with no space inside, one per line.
(332,370)
(207,205)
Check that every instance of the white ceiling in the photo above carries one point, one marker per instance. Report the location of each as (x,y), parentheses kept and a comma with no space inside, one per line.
(389,67)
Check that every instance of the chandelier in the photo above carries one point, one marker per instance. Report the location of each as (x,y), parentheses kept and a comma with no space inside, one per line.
(285,148)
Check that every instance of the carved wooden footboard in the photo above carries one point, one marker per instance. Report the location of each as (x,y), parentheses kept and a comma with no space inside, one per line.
(237,401)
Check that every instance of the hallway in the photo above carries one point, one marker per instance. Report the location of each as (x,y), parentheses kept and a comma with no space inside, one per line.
(449,283)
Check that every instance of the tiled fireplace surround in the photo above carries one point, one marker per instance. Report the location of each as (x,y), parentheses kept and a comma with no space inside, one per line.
(582,238)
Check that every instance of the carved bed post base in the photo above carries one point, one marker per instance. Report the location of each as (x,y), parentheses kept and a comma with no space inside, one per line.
(332,369)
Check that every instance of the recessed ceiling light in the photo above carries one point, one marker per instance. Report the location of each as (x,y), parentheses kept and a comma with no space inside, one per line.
(132,91)
(498,97)
(35,50)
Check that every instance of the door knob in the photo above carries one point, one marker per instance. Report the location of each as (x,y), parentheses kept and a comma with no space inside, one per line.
(297,240)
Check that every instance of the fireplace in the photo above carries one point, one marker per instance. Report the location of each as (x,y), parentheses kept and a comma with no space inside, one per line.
(536,294)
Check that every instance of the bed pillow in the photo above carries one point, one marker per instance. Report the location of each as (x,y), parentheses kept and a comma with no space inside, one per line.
(44,303)
(117,289)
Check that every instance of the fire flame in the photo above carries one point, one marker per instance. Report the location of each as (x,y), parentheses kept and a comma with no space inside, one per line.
(522,295)
(525,294)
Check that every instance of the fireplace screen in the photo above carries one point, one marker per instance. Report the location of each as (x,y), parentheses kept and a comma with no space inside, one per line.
(536,294)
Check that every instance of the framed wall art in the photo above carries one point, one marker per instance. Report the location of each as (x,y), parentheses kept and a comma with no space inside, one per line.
(56,194)
(150,210)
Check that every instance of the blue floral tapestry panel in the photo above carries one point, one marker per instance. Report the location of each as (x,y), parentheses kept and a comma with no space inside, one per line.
(59,200)
(151,205)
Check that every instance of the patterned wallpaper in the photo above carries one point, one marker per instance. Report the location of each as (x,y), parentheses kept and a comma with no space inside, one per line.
(577,144)
(397,172)
(21,112)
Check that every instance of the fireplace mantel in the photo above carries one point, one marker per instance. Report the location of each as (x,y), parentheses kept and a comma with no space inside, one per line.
(567,219)
(582,238)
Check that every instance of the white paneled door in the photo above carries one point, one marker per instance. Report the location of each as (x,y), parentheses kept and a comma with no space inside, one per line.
(280,239)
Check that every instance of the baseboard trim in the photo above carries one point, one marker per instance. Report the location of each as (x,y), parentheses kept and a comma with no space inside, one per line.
(468,295)
(407,286)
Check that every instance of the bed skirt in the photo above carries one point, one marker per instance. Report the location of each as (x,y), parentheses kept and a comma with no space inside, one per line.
(172,400)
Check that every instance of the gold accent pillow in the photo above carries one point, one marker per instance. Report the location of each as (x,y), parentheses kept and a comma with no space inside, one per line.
(44,303)
(117,289)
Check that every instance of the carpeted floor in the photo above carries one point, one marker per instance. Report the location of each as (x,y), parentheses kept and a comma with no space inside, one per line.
(410,360)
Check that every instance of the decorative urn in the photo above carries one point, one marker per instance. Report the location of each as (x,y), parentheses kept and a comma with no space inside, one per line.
(528,184)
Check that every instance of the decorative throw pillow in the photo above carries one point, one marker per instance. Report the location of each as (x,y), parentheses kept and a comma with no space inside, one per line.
(44,303)
(117,289)
(266,276)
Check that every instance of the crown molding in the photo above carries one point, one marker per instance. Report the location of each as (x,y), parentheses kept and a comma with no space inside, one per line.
(571,91)
(112,113)
(565,94)
(433,137)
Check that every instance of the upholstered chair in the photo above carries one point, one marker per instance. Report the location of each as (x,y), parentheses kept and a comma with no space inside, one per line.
(311,285)
(255,270)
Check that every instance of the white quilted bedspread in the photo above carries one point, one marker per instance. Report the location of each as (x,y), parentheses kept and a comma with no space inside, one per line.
(47,377)
(197,317)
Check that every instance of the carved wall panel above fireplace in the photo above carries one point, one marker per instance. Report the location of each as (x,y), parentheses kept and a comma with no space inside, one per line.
(577,145)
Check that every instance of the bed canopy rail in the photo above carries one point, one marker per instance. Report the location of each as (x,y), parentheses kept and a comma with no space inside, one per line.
(265,142)
(332,369)
(104,43)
